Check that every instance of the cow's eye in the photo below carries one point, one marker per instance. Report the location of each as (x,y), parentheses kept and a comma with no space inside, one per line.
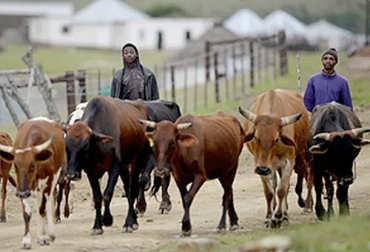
(173,143)
(276,140)
(32,167)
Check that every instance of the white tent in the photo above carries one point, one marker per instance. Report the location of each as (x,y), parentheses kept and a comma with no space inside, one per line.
(333,36)
(245,22)
(281,20)
(108,11)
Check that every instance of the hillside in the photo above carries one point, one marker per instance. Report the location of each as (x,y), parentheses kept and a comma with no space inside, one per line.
(346,13)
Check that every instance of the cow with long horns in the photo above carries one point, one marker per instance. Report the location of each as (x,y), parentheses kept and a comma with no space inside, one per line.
(39,156)
(196,149)
(276,129)
(335,140)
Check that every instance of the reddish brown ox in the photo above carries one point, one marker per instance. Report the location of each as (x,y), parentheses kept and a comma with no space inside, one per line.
(196,149)
(5,167)
(38,155)
(276,134)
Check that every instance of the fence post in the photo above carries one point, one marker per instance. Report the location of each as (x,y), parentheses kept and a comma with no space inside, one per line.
(267,62)
(275,61)
(185,86)
(195,84)
(164,76)
(283,53)
(173,83)
(242,49)
(234,70)
(259,60)
(70,89)
(207,60)
(251,68)
(226,75)
(217,86)
(81,77)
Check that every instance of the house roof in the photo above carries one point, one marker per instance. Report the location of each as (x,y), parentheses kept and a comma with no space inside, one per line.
(108,11)
(281,20)
(245,22)
(197,47)
(323,28)
(36,8)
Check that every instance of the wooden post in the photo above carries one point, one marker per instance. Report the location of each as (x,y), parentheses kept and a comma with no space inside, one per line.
(242,52)
(267,63)
(164,76)
(173,87)
(195,84)
(217,86)
(275,61)
(283,55)
(81,77)
(185,86)
(259,60)
(251,68)
(207,60)
(226,76)
(70,89)
(234,71)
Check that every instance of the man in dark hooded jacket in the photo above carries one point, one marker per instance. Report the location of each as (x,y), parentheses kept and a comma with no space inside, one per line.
(133,81)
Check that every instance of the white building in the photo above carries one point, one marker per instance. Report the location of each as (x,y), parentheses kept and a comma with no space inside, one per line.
(329,35)
(245,22)
(108,24)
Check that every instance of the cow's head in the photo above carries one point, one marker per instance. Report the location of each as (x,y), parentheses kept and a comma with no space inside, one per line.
(166,138)
(267,132)
(27,161)
(341,148)
(79,140)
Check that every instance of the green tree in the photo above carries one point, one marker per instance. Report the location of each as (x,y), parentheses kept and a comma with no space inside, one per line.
(168,10)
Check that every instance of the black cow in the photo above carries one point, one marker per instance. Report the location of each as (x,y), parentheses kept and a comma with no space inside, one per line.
(335,140)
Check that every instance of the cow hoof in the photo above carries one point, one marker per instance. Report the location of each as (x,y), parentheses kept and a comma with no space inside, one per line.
(221,230)
(97,231)
(234,227)
(140,215)
(307,211)
(135,226)
(3,219)
(43,241)
(26,246)
(301,203)
(57,220)
(186,233)
(107,220)
(127,230)
(66,212)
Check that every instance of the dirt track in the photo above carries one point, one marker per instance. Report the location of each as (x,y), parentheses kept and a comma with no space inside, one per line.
(73,234)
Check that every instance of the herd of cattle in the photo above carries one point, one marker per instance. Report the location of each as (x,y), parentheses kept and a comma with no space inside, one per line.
(130,139)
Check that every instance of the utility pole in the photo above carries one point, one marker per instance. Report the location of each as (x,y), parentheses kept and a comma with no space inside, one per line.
(367,22)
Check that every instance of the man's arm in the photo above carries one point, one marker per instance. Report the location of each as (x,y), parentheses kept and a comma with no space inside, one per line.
(154,87)
(113,87)
(346,95)
(309,98)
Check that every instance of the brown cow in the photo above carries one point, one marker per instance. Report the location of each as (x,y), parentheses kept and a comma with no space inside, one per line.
(276,139)
(196,149)
(5,167)
(38,155)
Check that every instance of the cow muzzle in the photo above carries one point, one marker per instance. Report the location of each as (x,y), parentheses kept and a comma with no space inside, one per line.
(73,176)
(345,181)
(23,194)
(161,172)
(262,170)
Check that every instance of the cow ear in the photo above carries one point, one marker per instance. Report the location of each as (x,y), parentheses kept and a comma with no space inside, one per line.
(187,140)
(318,149)
(43,155)
(249,135)
(6,156)
(287,140)
(363,142)
(101,138)
(149,138)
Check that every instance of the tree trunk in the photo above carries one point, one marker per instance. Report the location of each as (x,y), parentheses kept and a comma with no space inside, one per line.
(43,84)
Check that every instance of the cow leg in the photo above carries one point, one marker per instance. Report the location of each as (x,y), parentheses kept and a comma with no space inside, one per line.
(3,197)
(95,186)
(187,199)
(107,219)
(144,183)
(330,193)
(281,211)
(228,202)
(67,192)
(269,183)
(41,219)
(319,208)
(59,200)
(309,183)
(299,169)
(131,189)
(342,196)
(27,213)
(166,204)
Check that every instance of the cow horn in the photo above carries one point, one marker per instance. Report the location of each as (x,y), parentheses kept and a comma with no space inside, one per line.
(45,145)
(183,125)
(148,123)
(359,131)
(6,148)
(325,136)
(290,119)
(247,114)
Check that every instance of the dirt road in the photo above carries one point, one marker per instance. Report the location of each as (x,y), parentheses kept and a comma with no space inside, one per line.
(73,234)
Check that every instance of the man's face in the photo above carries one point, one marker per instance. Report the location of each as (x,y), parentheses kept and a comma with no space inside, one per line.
(129,54)
(328,62)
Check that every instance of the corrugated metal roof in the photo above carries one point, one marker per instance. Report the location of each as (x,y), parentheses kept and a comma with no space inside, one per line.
(37,9)
(108,11)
